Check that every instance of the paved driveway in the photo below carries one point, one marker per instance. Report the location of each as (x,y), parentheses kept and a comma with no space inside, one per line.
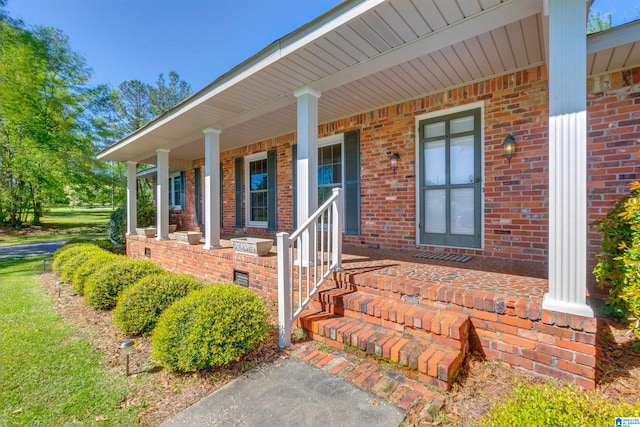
(27,249)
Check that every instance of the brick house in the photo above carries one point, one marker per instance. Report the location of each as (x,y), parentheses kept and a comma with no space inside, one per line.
(412,109)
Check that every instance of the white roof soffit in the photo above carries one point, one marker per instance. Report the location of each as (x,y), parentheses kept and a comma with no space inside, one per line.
(614,49)
(344,49)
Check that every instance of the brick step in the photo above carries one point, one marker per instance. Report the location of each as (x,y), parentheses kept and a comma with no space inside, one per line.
(437,364)
(445,327)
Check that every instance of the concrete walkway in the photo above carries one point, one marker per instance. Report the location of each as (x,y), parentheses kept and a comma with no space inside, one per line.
(289,392)
(28,249)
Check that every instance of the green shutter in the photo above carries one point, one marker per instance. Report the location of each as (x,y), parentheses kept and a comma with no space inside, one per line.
(182,188)
(221,198)
(352,183)
(238,192)
(197,196)
(272,186)
(294,185)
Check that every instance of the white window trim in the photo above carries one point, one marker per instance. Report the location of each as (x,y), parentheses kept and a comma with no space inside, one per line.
(439,113)
(247,186)
(332,140)
(172,205)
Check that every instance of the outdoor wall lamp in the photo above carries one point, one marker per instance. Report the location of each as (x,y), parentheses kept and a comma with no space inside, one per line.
(509,147)
(394,162)
(126,347)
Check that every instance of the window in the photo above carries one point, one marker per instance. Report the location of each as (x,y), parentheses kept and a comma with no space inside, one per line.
(260,183)
(329,167)
(176,190)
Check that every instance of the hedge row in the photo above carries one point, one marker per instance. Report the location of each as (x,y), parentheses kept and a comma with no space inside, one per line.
(194,326)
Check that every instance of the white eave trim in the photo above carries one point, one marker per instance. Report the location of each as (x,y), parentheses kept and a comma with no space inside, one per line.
(293,41)
(613,37)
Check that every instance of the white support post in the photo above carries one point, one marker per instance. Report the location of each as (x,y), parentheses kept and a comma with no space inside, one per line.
(284,291)
(337,230)
(132,198)
(162,195)
(567,158)
(307,133)
(211,185)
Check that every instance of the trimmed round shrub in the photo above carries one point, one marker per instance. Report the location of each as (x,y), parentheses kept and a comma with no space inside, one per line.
(140,305)
(92,264)
(210,327)
(556,405)
(102,288)
(76,260)
(66,252)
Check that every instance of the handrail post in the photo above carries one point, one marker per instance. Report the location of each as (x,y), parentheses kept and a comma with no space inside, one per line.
(284,291)
(337,229)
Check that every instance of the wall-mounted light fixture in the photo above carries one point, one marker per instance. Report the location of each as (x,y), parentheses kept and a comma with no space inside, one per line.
(394,162)
(509,147)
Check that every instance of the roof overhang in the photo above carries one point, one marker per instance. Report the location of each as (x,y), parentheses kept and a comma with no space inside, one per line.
(361,55)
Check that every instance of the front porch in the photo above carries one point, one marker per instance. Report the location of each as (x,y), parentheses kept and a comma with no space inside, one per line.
(389,292)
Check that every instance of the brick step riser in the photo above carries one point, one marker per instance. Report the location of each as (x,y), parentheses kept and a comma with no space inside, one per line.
(436,367)
(443,327)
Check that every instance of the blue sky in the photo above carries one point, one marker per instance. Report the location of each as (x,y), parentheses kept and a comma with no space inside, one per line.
(199,39)
(138,39)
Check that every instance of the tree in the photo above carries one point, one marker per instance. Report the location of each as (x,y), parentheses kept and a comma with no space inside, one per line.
(46,118)
(596,24)
(163,97)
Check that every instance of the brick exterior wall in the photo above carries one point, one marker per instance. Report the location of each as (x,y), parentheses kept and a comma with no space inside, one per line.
(515,195)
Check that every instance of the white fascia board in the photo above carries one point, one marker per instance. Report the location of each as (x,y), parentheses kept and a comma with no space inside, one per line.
(613,37)
(304,35)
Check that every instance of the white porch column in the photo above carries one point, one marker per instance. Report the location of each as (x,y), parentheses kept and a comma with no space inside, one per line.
(567,158)
(162,195)
(307,167)
(132,198)
(211,185)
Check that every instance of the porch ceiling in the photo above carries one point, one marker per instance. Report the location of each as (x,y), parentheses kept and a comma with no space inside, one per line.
(361,55)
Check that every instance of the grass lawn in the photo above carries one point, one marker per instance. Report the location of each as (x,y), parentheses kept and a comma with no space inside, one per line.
(61,224)
(48,375)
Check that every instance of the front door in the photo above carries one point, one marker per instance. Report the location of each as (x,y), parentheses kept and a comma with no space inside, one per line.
(450,181)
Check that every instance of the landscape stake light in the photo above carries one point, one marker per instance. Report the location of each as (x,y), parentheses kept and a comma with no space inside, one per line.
(59,283)
(126,350)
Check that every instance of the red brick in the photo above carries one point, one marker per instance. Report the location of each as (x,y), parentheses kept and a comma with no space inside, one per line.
(575,346)
(581,370)
(518,342)
(514,321)
(554,331)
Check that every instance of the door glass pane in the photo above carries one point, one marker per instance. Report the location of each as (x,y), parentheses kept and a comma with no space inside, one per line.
(434,163)
(463,124)
(435,211)
(462,212)
(462,160)
(434,129)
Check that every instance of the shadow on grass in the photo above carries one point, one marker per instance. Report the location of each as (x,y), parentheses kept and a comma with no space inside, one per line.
(21,266)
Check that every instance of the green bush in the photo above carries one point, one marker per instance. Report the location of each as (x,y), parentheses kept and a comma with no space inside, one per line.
(140,305)
(210,327)
(118,226)
(146,216)
(618,266)
(556,405)
(103,287)
(66,252)
(95,262)
(76,260)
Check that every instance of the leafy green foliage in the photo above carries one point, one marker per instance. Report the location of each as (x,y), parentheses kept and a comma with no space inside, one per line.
(146,216)
(210,327)
(140,305)
(64,254)
(101,290)
(556,405)
(69,253)
(76,260)
(619,263)
(596,24)
(97,261)
(118,226)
